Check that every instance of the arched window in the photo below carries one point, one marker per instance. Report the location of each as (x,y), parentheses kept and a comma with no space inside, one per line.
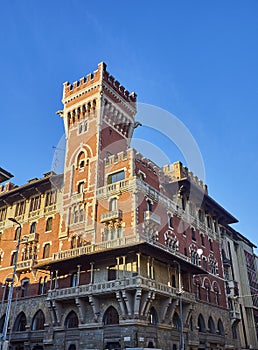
(201,323)
(176,321)
(193,234)
(71,320)
(170,221)
(46,251)
(49,224)
(220,327)
(211,325)
(113,204)
(20,323)
(17,233)
(111,316)
(74,279)
(153,317)
(81,187)
(38,321)
(198,291)
(149,205)
(42,285)
(33,227)
(13,255)
(81,160)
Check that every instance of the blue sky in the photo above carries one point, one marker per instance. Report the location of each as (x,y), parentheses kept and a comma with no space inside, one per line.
(194,59)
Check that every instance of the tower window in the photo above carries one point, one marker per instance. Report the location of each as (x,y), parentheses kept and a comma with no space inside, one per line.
(46,251)
(118,176)
(49,224)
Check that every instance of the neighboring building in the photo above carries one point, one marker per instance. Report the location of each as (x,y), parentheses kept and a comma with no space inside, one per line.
(240,270)
(4,175)
(113,248)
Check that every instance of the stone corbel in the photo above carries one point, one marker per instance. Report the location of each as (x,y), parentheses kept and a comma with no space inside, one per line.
(94,302)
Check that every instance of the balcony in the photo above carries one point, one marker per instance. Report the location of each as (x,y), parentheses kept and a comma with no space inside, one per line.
(152,218)
(25,265)
(111,216)
(32,237)
(76,198)
(91,248)
(234,316)
(116,285)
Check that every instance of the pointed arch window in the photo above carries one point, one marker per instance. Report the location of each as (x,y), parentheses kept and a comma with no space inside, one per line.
(38,321)
(20,323)
(201,323)
(153,317)
(71,320)
(176,321)
(221,330)
(211,325)
(111,316)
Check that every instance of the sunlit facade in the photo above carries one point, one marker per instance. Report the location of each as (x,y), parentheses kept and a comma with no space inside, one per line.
(116,252)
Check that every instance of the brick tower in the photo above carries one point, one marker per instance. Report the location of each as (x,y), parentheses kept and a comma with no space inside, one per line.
(98,117)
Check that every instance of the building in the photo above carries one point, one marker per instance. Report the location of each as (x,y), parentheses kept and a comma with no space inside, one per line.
(116,252)
(5,175)
(240,271)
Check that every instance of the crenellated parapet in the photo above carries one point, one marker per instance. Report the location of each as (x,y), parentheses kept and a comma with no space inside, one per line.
(177,171)
(93,81)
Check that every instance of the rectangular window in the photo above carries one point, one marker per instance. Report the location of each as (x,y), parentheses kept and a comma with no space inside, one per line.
(20,208)
(50,198)
(118,176)
(3,213)
(35,203)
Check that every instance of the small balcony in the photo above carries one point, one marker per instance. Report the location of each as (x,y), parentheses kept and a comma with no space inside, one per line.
(151,217)
(99,288)
(32,237)
(232,288)
(76,198)
(234,316)
(111,216)
(25,265)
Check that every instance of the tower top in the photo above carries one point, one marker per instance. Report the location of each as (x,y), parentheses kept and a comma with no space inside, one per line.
(99,77)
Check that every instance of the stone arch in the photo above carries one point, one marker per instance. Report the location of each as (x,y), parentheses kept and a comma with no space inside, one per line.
(20,323)
(211,325)
(153,316)
(71,320)
(221,330)
(38,321)
(215,287)
(111,316)
(206,283)
(201,323)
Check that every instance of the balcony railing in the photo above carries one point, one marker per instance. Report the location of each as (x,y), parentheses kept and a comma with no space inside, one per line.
(78,197)
(235,315)
(91,248)
(115,285)
(26,265)
(152,217)
(111,215)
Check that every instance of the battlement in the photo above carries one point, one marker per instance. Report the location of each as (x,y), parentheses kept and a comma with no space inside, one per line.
(177,171)
(98,76)
(118,157)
